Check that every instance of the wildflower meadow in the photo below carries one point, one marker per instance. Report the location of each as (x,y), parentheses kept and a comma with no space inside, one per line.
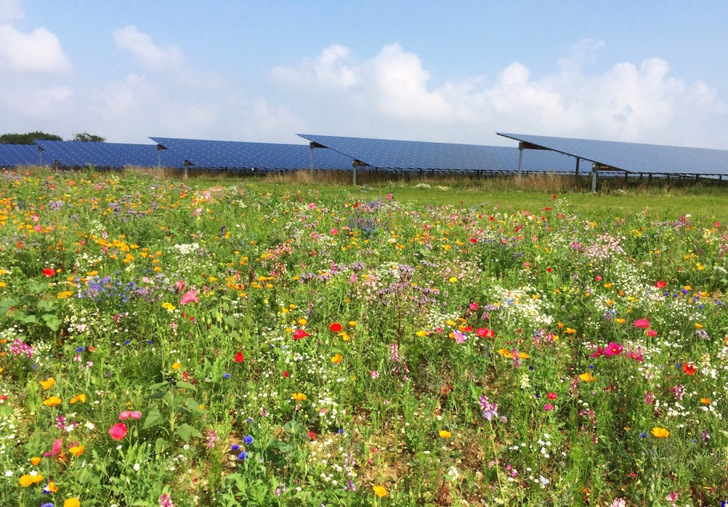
(170,342)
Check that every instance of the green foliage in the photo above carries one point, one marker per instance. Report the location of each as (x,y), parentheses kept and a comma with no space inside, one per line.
(28,138)
(85,137)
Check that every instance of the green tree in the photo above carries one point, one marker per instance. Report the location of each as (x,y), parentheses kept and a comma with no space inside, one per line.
(85,137)
(28,138)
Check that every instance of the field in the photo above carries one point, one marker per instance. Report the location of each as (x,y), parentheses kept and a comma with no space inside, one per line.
(259,342)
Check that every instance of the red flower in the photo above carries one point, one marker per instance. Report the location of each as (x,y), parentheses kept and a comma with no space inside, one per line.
(660,284)
(552,396)
(689,368)
(485,332)
(239,357)
(473,240)
(643,323)
(285,374)
(299,333)
(49,272)
(311,435)
(335,327)
(118,431)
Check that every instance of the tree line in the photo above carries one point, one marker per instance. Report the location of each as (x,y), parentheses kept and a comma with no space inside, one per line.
(30,137)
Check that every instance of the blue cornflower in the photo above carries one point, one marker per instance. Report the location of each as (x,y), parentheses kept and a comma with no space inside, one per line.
(248,439)
(243,456)
(79,349)
(249,420)
(227,375)
(235,447)
(643,435)
(341,431)
(49,504)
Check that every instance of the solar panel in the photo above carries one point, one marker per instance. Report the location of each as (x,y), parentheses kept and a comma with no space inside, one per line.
(635,157)
(245,155)
(116,155)
(12,155)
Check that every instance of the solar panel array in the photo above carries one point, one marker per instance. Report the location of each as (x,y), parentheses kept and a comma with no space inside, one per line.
(441,157)
(12,155)
(111,155)
(234,155)
(635,157)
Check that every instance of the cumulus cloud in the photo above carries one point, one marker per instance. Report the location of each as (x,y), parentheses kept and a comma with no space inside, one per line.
(628,101)
(36,51)
(141,45)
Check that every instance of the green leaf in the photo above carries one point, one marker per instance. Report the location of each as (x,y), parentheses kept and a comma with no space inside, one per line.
(161,445)
(154,418)
(52,321)
(6,305)
(46,305)
(185,431)
(181,384)
(193,406)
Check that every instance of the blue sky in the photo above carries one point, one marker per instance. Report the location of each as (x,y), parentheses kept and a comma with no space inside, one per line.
(457,71)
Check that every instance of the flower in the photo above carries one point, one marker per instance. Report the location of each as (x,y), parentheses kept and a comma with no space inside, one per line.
(445,434)
(552,396)
(57,447)
(176,365)
(299,333)
(77,450)
(485,332)
(36,459)
(79,397)
(660,284)
(660,432)
(118,431)
(336,359)
(335,327)
(239,357)
(47,384)
(72,502)
(298,397)
(689,369)
(380,491)
(642,323)
(243,456)
(587,377)
(49,272)
(28,480)
(50,488)
(248,439)
(189,297)
(548,407)
(52,401)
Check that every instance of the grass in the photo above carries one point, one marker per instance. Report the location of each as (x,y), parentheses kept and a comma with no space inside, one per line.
(277,341)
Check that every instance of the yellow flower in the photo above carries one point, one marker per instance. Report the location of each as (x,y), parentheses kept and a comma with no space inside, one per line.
(587,377)
(302,322)
(52,487)
(79,397)
(298,397)
(345,336)
(26,480)
(352,323)
(453,279)
(168,306)
(698,326)
(72,502)
(77,450)
(176,365)
(35,460)
(380,491)
(620,320)
(336,359)
(421,333)
(705,401)
(445,434)
(52,401)
(660,432)
(47,384)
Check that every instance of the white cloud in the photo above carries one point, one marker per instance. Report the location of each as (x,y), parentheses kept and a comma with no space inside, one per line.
(37,51)
(153,56)
(10,11)
(391,93)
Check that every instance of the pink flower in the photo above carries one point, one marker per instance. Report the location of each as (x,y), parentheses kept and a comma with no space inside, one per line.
(118,431)
(334,231)
(548,407)
(651,333)
(312,205)
(613,349)
(57,446)
(125,415)
(189,297)
(642,323)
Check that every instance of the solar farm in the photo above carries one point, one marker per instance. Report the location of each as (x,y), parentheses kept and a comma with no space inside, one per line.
(532,155)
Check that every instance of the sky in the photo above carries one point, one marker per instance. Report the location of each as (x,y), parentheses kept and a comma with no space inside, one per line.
(456,71)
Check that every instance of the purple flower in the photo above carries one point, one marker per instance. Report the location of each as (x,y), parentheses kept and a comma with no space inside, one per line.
(248,440)
(490,410)
(243,456)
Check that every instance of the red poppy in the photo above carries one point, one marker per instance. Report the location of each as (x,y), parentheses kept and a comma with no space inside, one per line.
(335,327)
(473,240)
(285,374)
(642,323)
(299,333)
(689,368)
(660,284)
(485,332)
(239,357)
(311,435)
(552,396)
(49,272)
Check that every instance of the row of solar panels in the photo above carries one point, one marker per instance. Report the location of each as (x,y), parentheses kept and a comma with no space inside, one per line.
(534,154)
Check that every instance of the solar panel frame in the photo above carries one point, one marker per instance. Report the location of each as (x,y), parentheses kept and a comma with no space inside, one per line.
(635,157)
(12,155)
(109,155)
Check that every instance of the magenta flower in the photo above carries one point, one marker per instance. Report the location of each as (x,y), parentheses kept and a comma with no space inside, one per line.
(642,323)
(57,446)
(548,407)
(118,431)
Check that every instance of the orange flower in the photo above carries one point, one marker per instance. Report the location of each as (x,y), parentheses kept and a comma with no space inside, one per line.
(47,384)
(72,502)
(298,397)
(660,432)
(587,377)
(35,460)
(27,480)
(52,487)
(445,434)
(705,401)
(79,397)
(380,491)
(52,401)
(336,359)
(77,450)
(689,368)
